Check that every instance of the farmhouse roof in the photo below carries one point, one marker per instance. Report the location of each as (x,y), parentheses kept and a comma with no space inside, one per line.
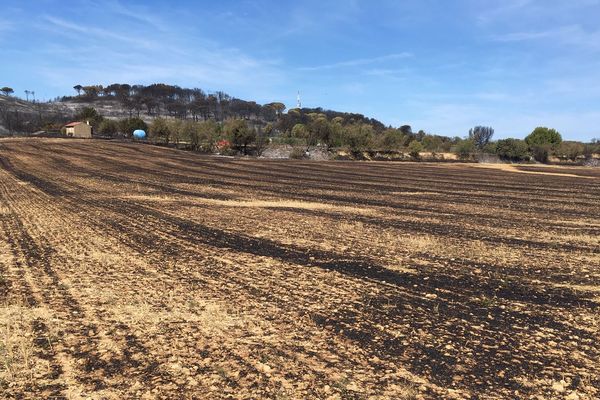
(72,124)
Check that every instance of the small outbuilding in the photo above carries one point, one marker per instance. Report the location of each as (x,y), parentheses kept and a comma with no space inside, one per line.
(78,130)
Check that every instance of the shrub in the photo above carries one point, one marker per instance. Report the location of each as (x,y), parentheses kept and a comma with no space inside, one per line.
(299,131)
(464,149)
(414,149)
(391,139)
(512,149)
(108,127)
(570,150)
(160,129)
(128,125)
(492,148)
(589,150)
(239,134)
(357,137)
(541,152)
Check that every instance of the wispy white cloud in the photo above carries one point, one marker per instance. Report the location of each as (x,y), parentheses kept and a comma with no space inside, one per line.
(97,33)
(524,36)
(570,35)
(135,13)
(358,62)
(98,55)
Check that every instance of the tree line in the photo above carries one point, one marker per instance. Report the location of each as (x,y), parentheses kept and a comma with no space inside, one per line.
(306,128)
(200,120)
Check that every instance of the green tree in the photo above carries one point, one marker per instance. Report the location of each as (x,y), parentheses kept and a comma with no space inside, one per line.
(542,136)
(209,134)
(175,127)
(464,149)
(512,149)
(432,142)
(190,132)
(570,150)
(299,131)
(319,131)
(278,107)
(357,137)
(406,130)
(201,135)
(108,127)
(269,129)
(414,149)
(541,152)
(542,141)
(89,114)
(7,90)
(239,134)
(481,136)
(78,89)
(128,125)
(391,139)
(160,130)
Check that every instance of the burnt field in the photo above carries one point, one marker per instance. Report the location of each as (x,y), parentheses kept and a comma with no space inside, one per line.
(131,271)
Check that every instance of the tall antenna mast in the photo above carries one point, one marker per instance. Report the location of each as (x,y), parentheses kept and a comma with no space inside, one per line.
(298,102)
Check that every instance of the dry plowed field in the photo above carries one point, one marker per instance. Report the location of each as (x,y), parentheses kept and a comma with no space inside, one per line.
(130,271)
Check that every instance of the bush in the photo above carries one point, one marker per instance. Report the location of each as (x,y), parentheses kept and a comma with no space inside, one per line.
(128,125)
(239,134)
(108,127)
(589,150)
(492,148)
(357,137)
(541,152)
(391,139)
(432,143)
(201,135)
(414,149)
(464,149)
(570,150)
(512,149)
(160,129)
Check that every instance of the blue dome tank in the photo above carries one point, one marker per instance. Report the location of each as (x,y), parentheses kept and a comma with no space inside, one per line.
(139,134)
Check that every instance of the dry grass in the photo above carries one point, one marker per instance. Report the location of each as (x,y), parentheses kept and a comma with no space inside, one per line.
(515,168)
(18,363)
(583,238)
(474,250)
(256,203)
(208,317)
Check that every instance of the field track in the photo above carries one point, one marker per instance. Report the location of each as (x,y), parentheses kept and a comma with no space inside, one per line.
(133,271)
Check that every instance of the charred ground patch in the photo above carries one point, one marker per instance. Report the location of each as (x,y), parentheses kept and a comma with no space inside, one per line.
(168,274)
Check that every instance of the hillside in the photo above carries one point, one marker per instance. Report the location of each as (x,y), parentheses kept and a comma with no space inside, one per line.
(201,120)
(19,116)
(150,102)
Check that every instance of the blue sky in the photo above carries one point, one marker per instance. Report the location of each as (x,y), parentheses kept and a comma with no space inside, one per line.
(439,65)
